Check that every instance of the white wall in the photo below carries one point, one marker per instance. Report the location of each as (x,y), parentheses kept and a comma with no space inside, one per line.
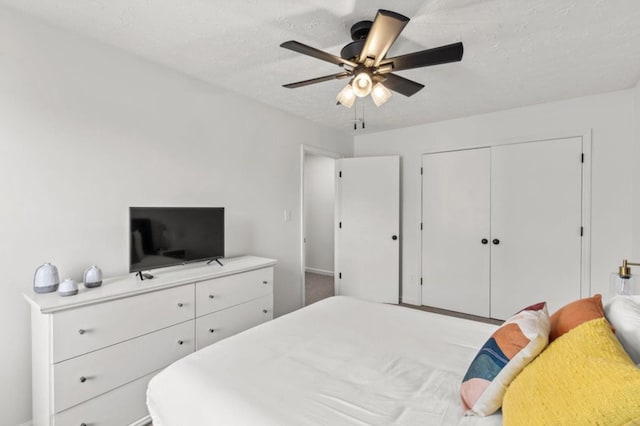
(609,115)
(635,257)
(319,199)
(87,131)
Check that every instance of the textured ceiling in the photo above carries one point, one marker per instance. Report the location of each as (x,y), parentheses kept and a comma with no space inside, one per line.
(517,52)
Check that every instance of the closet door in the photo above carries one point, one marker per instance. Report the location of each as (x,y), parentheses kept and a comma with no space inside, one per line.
(456,234)
(536,205)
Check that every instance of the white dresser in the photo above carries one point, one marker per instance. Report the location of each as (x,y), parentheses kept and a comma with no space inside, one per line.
(94,353)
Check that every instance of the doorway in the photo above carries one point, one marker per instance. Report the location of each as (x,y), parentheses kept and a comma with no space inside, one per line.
(318,224)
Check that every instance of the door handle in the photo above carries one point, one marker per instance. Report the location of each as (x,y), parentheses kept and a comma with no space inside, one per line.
(394,237)
(484,241)
(496,241)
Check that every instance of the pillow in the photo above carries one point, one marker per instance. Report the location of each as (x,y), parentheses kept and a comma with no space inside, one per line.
(509,349)
(623,312)
(584,377)
(575,313)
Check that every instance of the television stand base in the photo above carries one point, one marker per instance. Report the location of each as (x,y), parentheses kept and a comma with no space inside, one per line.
(144,276)
(215,260)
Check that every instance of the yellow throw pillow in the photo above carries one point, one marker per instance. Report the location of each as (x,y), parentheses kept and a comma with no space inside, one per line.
(583,378)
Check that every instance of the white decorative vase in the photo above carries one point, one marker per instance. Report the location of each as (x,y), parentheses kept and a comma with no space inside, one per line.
(46,279)
(68,287)
(92,277)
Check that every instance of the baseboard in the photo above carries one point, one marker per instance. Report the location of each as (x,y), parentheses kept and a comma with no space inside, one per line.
(411,301)
(319,271)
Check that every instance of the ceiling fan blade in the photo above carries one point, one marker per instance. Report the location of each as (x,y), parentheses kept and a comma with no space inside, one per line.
(316,53)
(401,85)
(316,80)
(385,30)
(425,58)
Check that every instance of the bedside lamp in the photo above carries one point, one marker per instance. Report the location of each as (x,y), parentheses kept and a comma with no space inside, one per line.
(623,282)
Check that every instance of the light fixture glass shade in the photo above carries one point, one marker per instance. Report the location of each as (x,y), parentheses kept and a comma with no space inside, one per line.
(346,96)
(380,94)
(623,286)
(362,84)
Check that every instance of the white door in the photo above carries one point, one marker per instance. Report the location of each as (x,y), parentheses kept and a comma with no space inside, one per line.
(536,215)
(455,236)
(368,239)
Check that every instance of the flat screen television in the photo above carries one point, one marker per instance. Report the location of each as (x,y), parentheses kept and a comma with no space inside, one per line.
(168,236)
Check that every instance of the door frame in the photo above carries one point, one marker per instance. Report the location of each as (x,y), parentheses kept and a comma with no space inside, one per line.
(586,136)
(313,150)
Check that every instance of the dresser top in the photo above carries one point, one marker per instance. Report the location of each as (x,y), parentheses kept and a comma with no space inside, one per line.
(131,284)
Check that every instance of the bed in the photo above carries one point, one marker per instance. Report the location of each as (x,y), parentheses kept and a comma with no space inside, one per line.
(340,361)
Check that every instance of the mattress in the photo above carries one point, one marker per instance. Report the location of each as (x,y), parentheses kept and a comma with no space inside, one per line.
(340,361)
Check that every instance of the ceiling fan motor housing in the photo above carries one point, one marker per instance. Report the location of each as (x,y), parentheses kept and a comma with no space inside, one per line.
(359,32)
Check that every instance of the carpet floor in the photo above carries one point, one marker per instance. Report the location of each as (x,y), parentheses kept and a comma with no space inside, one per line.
(317,287)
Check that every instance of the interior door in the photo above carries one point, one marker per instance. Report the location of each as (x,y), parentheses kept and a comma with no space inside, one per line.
(455,236)
(368,239)
(536,215)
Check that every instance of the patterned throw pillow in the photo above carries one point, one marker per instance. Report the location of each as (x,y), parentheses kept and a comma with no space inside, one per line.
(509,349)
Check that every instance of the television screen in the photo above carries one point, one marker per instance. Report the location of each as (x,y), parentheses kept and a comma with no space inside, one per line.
(166,236)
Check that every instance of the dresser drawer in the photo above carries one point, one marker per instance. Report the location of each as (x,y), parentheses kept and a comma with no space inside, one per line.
(120,407)
(78,331)
(222,324)
(90,375)
(220,293)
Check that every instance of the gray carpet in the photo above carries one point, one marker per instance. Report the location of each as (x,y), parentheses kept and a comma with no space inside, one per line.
(317,287)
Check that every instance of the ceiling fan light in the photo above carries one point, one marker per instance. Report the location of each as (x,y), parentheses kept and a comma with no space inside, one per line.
(362,85)
(380,94)
(346,96)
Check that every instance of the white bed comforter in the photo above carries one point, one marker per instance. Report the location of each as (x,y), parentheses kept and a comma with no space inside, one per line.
(340,361)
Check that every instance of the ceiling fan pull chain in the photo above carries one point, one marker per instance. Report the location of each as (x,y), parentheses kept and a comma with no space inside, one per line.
(355,117)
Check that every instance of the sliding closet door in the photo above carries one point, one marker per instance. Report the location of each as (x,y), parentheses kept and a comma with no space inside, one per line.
(368,239)
(455,236)
(536,203)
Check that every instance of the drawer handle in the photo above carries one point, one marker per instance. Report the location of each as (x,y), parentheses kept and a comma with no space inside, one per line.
(180,305)
(264,311)
(211,296)
(82,331)
(180,342)
(211,330)
(265,282)
(83,379)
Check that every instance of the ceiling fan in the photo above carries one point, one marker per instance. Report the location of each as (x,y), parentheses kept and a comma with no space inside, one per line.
(364,60)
